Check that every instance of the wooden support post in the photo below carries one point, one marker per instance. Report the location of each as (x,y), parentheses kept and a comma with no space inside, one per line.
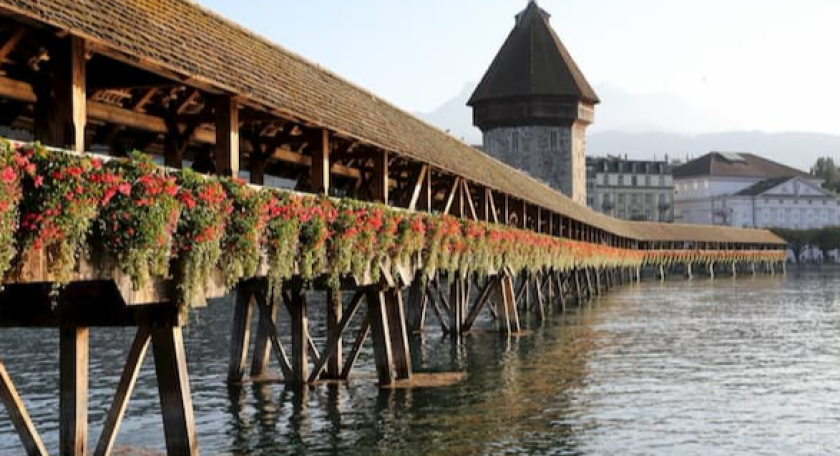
(136,356)
(300,336)
(333,346)
(335,307)
(61,106)
(561,291)
(578,287)
(503,308)
(398,333)
(417,303)
(381,337)
(240,333)
(456,317)
(227,135)
(598,283)
(262,343)
(174,387)
(483,298)
(21,420)
(380,178)
(510,302)
(319,172)
(712,270)
(357,347)
(73,394)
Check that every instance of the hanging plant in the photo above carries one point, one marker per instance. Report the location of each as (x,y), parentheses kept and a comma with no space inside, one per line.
(315,217)
(282,236)
(242,240)
(138,218)
(62,200)
(204,216)
(12,166)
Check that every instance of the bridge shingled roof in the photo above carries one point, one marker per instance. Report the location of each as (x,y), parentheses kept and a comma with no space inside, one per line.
(199,45)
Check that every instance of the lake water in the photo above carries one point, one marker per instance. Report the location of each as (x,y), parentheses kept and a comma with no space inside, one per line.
(747,367)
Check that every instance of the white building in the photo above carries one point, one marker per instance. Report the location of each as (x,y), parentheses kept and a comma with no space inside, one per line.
(641,190)
(745,190)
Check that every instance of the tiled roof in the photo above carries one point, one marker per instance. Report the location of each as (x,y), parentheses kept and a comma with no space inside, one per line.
(195,43)
(730,164)
(533,62)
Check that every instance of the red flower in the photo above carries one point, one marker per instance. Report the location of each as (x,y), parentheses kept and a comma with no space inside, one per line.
(124,188)
(39,181)
(8,175)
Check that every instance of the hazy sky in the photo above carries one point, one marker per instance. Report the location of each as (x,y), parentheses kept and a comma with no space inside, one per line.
(764,64)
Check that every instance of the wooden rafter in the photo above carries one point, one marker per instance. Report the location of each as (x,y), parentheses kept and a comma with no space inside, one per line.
(11,43)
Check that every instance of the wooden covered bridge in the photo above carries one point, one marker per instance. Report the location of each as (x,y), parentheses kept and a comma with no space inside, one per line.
(176,81)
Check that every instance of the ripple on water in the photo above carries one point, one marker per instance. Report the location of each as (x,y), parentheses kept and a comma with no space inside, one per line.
(724,368)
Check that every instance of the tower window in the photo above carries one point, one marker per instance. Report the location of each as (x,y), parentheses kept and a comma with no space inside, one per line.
(515,141)
(555,141)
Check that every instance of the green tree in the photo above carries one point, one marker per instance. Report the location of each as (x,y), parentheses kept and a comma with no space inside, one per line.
(797,240)
(827,239)
(826,170)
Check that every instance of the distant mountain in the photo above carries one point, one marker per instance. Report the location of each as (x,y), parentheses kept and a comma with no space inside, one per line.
(648,125)
(797,149)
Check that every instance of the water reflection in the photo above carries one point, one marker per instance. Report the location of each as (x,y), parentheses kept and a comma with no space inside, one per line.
(727,367)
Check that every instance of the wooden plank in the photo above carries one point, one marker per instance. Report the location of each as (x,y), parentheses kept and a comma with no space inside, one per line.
(319,172)
(174,388)
(381,337)
(399,334)
(227,135)
(113,421)
(240,333)
(504,308)
(21,420)
(357,347)
(73,393)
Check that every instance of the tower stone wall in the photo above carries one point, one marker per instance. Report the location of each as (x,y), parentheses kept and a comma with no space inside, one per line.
(552,154)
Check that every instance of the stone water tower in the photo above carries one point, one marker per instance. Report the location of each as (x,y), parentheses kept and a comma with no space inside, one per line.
(533,106)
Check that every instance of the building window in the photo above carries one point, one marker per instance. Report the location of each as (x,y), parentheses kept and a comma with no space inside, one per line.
(555,141)
(635,181)
(621,180)
(515,141)
(647,181)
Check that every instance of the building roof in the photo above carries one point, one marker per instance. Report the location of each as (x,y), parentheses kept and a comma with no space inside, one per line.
(180,37)
(533,62)
(614,164)
(731,164)
(763,186)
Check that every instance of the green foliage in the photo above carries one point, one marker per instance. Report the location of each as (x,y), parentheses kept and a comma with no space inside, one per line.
(825,169)
(139,216)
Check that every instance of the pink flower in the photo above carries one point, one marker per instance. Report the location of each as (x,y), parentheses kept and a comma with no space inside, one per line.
(8,175)
(124,188)
(39,181)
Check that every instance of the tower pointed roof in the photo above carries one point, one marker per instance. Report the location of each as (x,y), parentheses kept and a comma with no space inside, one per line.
(533,62)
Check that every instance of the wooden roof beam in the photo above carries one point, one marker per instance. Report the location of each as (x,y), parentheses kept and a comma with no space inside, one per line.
(11,43)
